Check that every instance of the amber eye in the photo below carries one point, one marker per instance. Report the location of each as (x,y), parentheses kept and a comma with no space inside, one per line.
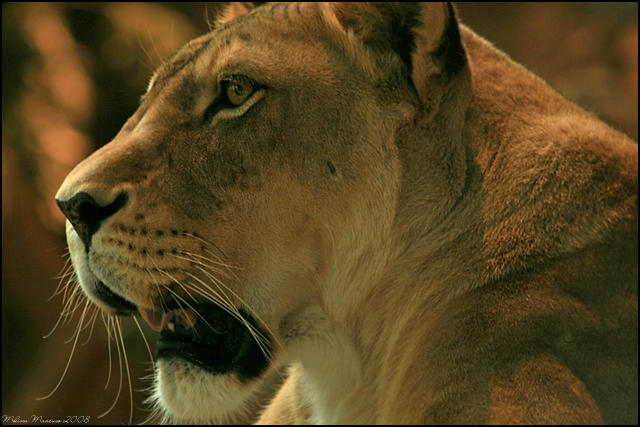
(238,90)
(234,93)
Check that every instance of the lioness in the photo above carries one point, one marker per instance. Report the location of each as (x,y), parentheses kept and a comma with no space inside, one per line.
(372,195)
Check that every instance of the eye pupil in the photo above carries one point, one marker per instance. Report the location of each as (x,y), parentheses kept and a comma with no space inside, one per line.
(235,90)
(238,91)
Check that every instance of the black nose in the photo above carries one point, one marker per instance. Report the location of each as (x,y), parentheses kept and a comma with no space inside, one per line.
(85,214)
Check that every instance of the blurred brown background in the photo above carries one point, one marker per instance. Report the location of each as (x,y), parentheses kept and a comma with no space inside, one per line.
(72,73)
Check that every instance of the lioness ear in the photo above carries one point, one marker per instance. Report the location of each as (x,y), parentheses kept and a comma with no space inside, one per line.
(234,10)
(425,36)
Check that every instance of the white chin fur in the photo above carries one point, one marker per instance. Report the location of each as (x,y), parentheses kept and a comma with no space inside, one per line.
(184,393)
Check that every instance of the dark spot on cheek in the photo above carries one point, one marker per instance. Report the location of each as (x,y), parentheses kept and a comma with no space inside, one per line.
(332,168)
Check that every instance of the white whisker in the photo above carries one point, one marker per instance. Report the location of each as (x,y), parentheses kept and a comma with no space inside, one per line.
(77,335)
(146,342)
(108,322)
(117,332)
(92,321)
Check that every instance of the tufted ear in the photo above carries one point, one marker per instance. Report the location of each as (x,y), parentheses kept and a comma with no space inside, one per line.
(425,36)
(234,10)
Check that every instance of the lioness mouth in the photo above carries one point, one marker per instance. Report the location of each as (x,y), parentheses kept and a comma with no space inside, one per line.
(204,334)
(212,339)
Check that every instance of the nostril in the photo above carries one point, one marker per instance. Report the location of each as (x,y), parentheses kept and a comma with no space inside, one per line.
(86,214)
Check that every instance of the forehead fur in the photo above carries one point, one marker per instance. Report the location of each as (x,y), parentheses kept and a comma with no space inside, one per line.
(329,44)
(256,41)
(316,22)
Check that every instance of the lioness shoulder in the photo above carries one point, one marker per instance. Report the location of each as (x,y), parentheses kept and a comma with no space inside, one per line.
(372,199)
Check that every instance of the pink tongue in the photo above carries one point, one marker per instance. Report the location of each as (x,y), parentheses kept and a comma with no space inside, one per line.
(156,319)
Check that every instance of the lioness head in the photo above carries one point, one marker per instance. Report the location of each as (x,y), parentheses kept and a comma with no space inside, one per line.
(304,184)
(259,177)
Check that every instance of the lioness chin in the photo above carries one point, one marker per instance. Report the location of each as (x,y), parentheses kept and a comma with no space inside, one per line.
(374,198)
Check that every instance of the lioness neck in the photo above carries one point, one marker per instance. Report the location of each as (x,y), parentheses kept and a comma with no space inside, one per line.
(336,393)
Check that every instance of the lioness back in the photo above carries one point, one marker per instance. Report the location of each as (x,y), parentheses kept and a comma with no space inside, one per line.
(373,200)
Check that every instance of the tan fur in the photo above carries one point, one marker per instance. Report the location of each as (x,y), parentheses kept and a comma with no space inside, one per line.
(427,232)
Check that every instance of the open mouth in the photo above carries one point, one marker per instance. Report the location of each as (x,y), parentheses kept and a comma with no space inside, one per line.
(208,336)
(205,335)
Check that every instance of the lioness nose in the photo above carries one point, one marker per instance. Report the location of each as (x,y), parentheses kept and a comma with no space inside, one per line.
(85,214)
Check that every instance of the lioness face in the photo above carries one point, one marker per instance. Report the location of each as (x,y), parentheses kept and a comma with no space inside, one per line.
(229,201)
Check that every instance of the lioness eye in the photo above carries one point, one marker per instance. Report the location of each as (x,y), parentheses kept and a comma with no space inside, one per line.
(238,90)
(234,93)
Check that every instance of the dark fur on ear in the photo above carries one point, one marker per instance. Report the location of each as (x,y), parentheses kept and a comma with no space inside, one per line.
(425,36)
